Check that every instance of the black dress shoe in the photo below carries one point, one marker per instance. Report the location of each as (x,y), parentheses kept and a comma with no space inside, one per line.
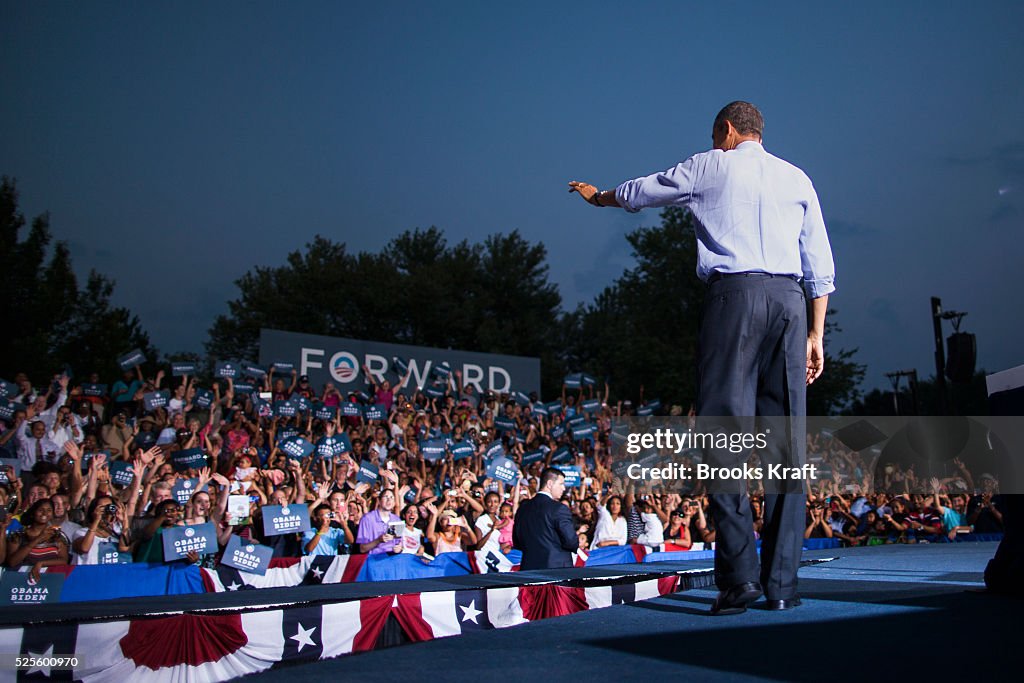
(736,599)
(787,603)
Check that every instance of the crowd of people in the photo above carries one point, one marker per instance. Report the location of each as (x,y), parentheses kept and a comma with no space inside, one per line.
(92,475)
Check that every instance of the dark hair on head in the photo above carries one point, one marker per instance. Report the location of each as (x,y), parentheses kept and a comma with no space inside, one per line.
(745,118)
(321,506)
(29,516)
(95,504)
(410,506)
(550,474)
(162,506)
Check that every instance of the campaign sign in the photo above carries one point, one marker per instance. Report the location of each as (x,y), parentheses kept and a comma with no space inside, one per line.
(644,411)
(179,541)
(591,405)
(368,473)
(350,409)
(121,473)
(576,419)
(330,446)
(495,450)
(244,388)
(285,519)
(8,389)
(520,398)
(284,409)
(253,370)
(297,448)
(504,423)
(532,457)
(432,450)
(13,463)
(7,409)
(442,370)
(461,450)
(146,440)
(184,488)
(87,457)
(435,391)
(302,404)
(182,369)
(203,399)
(376,412)
(322,412)
(18,588)
(503,469)
(558,431)
(554,407)
(155,399)
(108,553)
(286,433)
(400,365)
(587,380)
(283,367)
(226,370)
(132,359)
(583,431)
(562,454)
(573,479)
(246,556)
(654,404)
(188,458)
(573,381)
(539,409)
(90,389)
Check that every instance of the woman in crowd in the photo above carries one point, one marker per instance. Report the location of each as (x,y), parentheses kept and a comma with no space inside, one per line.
(412,538)
(37,544)
(611,524)
(106,537)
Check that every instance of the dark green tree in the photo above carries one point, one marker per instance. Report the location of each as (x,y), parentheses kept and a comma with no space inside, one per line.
(51,323)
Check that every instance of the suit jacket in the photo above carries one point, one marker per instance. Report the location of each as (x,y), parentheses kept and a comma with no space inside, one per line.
(543,530)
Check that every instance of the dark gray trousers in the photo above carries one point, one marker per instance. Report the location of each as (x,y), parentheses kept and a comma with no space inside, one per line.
(752,360)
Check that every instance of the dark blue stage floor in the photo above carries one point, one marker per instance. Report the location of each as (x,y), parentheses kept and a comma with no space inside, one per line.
(873,614)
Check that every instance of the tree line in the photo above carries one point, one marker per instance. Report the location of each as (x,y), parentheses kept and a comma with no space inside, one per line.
(492,296)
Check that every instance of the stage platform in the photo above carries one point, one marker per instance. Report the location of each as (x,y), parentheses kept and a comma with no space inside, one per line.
(881,613)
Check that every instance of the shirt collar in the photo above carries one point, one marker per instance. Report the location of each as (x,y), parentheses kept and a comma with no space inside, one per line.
(545,493)
(750,143)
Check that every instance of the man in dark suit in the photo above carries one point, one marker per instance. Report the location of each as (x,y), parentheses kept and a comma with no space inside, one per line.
(543,528)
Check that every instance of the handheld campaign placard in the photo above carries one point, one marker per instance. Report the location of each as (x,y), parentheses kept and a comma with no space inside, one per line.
(7,410)
(285,519)
(583,431)
(442,370)
(434,391)
(253,370)
(96,390)
(376,412)
(155,399)
(591,405)
(247,556)
(495,450)
(330,446)
(503,469)
(285,408)
(108,553)
(558,431)
(539,409)
(461,450)
(368,473)
(532,457)
(203,399)
(19,588)
(184,489)
(322,412)
(121,473)
(14,464)
(520,398)
(132,359)
(432,450)
(350,409)
(504,423)
(283,368)
(179,541)
(8,389)
(573,381)
(561,454)
(182,369)
(302,404)
(225,369)
(297,448)
(188,458)
(573,479)
(400,365)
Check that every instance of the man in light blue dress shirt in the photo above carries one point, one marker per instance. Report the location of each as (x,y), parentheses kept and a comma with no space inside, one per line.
(764,252)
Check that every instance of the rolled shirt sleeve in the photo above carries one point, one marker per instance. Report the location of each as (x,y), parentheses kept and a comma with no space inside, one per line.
(819,270)
(673,187)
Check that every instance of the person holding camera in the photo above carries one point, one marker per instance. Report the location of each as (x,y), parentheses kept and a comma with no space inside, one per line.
(39,543)
(326,539)
(107,531)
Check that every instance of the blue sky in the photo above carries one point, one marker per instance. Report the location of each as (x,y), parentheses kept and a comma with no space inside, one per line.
(179,144)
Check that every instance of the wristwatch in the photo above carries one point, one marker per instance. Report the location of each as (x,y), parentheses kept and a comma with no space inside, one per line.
(595,201)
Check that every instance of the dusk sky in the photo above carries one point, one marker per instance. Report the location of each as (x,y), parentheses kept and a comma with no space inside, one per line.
(179,144)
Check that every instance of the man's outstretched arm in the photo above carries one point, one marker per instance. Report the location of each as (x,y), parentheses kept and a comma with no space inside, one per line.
(591,195)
